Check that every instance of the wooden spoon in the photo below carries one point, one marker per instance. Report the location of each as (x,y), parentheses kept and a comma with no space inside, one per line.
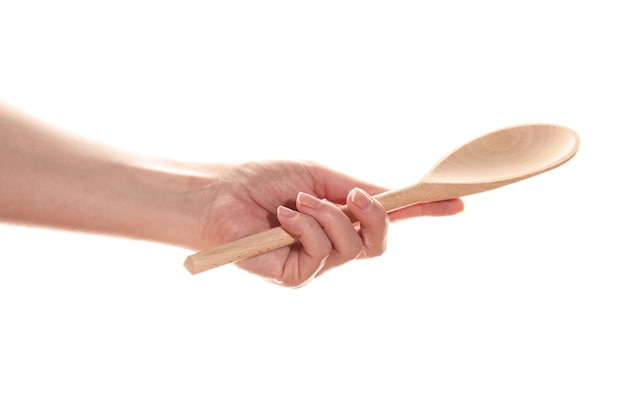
(491,161)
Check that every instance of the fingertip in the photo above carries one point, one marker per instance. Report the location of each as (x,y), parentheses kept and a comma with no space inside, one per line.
(454,206)
(436,208)
(286,212)
(442,208)
(361,199)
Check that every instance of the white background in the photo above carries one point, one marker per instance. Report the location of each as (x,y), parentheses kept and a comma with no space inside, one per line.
(515,307)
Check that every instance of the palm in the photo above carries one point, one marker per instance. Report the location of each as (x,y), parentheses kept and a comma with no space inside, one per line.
(247,203)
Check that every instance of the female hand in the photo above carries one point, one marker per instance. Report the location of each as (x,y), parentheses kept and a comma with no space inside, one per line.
(304,198)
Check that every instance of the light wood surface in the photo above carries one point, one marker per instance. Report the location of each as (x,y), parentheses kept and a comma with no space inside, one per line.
(499,158)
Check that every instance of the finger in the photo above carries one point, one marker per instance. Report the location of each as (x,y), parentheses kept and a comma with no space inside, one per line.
(373,222)
(437,208)
(339,229)
(335,186)
(314,247)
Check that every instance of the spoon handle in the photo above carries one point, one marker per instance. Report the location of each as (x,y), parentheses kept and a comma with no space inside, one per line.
(277,237)
(238,250)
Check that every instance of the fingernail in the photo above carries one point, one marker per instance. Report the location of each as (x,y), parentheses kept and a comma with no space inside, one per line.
(361,199)
(286,211)
(309,201)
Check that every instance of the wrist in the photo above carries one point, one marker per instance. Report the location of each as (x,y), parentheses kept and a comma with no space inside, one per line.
(174,199)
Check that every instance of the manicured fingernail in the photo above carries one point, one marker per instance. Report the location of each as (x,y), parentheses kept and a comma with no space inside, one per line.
(309,201)
(286,211)
(362,199)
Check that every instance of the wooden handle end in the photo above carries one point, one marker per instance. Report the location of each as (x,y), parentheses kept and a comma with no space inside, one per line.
(190,265)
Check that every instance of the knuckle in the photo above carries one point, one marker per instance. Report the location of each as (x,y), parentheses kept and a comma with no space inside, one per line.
(356,250)
(320,250)
(325,248)
(376,250)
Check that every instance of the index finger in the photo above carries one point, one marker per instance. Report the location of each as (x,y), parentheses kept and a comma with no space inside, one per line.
(335,186)
(435,208)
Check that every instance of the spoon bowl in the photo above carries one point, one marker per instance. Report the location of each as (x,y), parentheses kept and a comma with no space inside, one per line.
(517,152)
(499,158)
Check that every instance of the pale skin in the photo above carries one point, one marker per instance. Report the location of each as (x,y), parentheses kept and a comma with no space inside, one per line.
(52,178)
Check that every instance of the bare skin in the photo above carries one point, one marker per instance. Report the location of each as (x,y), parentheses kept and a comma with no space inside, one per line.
(51,178)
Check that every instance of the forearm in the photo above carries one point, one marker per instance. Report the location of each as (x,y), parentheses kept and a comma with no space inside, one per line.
(51,178)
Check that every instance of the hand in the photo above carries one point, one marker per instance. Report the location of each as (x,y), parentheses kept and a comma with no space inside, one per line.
(304,198)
